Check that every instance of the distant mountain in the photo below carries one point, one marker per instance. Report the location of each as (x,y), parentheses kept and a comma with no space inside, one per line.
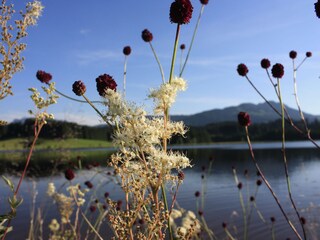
(259,113)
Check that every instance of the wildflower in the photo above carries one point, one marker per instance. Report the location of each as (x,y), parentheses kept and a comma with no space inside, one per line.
(200,213)
(259,182)
(147,35)
(106,194)
(239,186)
(43,76)
(79,88)
(272,219)
(252,199)
(69,174)
(277,70)
(265,63)
(182,46)
(244,119)
(292,54)
(181,11)
(303,220)
(54,225)
(127,50)
(204,2)
(51,189)
(197,193)
(224,225)
(242,70)
(180,175)
(105,82)
(308,54)
(88,184)
(92,208)
(317,8)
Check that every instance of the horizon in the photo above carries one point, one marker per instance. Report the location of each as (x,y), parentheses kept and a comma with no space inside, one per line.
(86,40)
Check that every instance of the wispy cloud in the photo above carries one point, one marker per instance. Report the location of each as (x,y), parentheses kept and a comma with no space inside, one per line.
(84,31)
(87,57)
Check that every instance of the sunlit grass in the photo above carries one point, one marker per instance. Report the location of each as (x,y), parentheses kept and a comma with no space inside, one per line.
(21,143)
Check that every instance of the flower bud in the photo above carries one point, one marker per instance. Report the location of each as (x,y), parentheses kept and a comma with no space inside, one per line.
(242,70)
(181,11)
(147,35)
(277,70)
(317,8)
(265,63)
(292,54)
(43,76)
(204,2)
(308,54)
(105,82)
(244,119)
(69,174)
(79,88)
(127,50)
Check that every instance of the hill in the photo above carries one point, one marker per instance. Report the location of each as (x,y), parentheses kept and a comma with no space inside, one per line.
(259,113)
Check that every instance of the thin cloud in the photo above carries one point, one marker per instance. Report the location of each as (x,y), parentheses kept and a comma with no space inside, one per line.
(87,57)
(84,31)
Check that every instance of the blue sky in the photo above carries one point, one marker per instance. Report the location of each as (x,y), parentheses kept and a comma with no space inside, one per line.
(79,40)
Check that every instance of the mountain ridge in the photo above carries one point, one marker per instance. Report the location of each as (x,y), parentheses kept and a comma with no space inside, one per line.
(259,113)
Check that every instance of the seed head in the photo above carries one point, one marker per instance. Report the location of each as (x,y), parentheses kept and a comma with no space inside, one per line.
(182,46)
(197,194)
(204,2)
(181,11)
(292,54)
(277,70)
(242,70)
(224,225)
(259,182)
(79,88)
(147,35)
(43,76)
(244,119)
(88,184)
(308,54)
(303,220)
(69,174)
(180,175)
(105,82)
(127,50)
(272,219)
(317,8)
(265,63)
(239,185)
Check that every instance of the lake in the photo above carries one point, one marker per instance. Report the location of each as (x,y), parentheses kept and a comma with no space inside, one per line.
(221,202)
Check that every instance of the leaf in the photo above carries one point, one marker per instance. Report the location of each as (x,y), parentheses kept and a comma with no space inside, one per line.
(8,182)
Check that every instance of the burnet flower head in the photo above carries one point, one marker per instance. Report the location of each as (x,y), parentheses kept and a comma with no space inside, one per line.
(317,8)
(105,82)
(181,11)
(43,76)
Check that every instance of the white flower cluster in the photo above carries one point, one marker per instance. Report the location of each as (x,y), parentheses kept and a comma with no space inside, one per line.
(190,225)
(165,96)
(66,203)
(42,103)
(140,137)
(33,12)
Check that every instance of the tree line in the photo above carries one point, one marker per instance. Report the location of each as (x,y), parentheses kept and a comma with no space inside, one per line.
(215,132)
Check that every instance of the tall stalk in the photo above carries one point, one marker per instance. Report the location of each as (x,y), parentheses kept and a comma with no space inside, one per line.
(285,162)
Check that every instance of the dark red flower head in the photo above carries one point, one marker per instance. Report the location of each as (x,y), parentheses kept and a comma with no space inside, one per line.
(127,50)
(244,119)
(69,174)
(277,70)
(317,8)
(242,69)
(43,76)
(78,88)
(308,54)
(272,219)
(239,186)
(182,46)
(197,194)
(180,175)
(265,63)
(88,184)
(181,11)
(204,2)
(105,82)
(147,35)
(292,54)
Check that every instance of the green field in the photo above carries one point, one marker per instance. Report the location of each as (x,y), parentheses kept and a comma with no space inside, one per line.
(21,143)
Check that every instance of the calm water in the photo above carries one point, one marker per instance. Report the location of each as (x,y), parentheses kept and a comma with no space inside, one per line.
(221,200)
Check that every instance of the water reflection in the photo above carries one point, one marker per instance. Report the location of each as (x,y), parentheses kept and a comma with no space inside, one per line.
(221,201)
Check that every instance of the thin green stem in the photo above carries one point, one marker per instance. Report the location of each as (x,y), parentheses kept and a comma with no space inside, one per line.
(94,107)
(192,40)
(174,54)
(74,99)
(272,232)
(164,196)
(285,162)
(269,186)
(158,61)
(124,76)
